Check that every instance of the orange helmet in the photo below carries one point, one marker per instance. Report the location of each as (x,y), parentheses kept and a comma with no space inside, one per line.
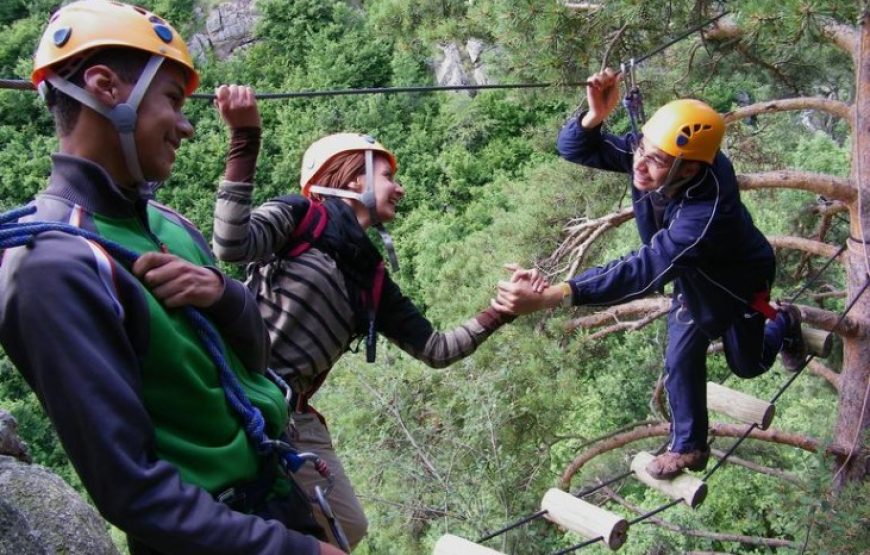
(326,148)
(686,129)
(89,24)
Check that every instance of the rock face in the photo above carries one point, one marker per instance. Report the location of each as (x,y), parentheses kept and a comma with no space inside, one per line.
(40,514)
(228,27)
(452,68)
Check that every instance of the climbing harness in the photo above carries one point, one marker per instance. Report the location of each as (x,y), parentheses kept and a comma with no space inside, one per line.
(16,234)
(305,236)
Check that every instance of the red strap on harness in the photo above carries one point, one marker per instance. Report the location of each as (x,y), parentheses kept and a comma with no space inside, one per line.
(761,303)
(315,210)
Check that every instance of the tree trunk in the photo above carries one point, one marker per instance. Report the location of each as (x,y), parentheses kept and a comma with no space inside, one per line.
(853,411)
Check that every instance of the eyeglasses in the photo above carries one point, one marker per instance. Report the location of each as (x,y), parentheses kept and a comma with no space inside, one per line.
(653,159)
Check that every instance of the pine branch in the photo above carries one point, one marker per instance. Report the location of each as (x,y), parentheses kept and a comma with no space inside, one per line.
(716,536)
(834,107)
(829,186)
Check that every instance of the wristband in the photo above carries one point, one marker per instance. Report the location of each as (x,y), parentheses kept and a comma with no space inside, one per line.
(567,294)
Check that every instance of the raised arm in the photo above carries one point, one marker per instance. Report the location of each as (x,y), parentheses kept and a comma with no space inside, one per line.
(240,233)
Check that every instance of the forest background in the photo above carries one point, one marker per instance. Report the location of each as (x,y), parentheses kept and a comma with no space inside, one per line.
(472,447)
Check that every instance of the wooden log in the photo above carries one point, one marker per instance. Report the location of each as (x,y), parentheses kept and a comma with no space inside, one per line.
(585,518)
(688,488)
(740,406)
(448,544)
(818,342)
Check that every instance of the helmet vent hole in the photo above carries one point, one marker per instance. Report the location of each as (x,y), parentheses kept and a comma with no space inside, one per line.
(61,36)
(697,127)
(140,10)
(682,140)
(707,127)
(164,32)
(155,19)
(687,131)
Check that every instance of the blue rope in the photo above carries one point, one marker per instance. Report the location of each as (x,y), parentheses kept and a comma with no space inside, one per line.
(17,234)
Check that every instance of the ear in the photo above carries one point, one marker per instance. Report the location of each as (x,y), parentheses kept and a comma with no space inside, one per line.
(104,84)
(689,169)
(357,185)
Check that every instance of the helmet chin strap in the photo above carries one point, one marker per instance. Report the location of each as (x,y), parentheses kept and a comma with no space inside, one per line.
(123,116)
(672,184)
(367,199)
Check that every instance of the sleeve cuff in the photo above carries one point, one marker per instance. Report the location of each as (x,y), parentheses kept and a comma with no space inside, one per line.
(491,319)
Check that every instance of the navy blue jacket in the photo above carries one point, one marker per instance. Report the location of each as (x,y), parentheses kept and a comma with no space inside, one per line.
(706,242)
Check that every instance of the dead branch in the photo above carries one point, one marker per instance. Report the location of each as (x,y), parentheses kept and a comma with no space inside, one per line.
(810,246)
(834,107)
(818,297)
(830,208)
(761,469)
(716,430)
(421,453)
(630,326)
(640,308)
(582,6)
(580,234)
(413,509)
(717,536)
(826,320)
(842,35)
(611,45)
(819,369)
(829,186)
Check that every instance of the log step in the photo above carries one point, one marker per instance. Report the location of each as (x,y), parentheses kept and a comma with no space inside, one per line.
(448,544)
(740,406)
(586,519)
(688,488)
(818,342)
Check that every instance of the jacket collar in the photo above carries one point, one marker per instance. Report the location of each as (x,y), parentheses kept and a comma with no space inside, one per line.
(88,185)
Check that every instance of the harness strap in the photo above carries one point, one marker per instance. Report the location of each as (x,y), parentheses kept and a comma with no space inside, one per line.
(247,497)
(761,303)
(308,230)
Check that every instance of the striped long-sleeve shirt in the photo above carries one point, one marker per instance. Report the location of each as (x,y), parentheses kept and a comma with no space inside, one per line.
(306,302)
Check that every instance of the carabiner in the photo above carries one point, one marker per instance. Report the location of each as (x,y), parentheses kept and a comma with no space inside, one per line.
(334,525)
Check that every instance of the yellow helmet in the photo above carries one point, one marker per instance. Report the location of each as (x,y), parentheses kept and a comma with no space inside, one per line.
(687,129)
(326,148)
(88,24)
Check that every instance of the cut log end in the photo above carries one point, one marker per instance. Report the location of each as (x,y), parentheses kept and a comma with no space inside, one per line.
(586,519)
(818,342)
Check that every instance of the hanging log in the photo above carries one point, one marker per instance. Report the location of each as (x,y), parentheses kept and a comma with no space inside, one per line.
(740,406)
(818,342)
(688,488)
(584,518)
(449,544)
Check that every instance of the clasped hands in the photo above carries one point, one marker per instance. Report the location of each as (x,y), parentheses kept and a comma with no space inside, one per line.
(525,292)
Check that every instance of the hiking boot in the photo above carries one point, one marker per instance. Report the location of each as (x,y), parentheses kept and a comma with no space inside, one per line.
(794,350)
(670,463)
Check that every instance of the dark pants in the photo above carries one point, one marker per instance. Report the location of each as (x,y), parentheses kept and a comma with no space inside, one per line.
(750,350)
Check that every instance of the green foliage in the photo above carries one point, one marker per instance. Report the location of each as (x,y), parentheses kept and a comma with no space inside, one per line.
(471,447)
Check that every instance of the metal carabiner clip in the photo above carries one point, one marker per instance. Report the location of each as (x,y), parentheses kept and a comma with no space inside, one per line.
(334,525)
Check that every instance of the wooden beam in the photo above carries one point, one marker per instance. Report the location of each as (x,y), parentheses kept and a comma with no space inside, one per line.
(688,488)
(586,519)
(740,406)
